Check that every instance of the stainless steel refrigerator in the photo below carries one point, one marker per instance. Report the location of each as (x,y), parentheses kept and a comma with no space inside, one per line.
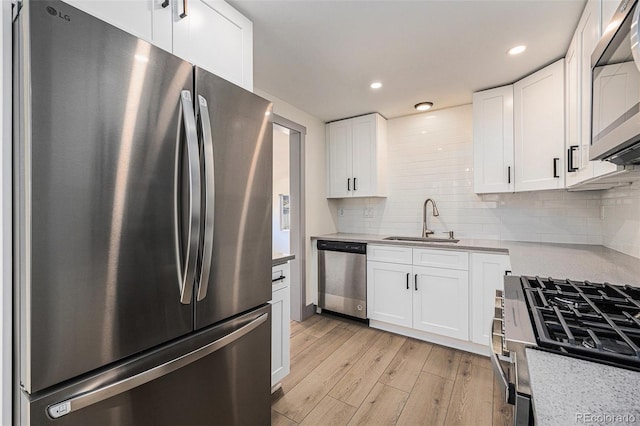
(142,232)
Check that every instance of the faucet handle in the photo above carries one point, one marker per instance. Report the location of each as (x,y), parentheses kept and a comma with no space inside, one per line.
(451,237)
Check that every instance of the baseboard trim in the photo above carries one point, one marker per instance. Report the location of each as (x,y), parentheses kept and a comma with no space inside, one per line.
(307,311)
(432,338)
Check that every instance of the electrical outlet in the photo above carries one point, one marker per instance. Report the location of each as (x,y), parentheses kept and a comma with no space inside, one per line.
(341,212)
(369,212)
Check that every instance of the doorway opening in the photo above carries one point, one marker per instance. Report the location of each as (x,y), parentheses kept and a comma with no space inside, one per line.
(288,206)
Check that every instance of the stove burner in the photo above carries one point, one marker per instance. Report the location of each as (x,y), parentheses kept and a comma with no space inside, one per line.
(577,304)
(608,345)
(591,320)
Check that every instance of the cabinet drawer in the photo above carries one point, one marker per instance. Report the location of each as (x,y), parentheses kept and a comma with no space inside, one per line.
(280,276)
(441,259)
(393,254)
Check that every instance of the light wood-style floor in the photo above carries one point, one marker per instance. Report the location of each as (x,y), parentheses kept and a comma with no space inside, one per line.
(343,373)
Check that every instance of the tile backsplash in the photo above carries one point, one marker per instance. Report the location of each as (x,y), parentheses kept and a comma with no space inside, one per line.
(621,227)
(431,156)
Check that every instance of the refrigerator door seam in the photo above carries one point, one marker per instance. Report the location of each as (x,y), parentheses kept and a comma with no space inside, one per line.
(84,400)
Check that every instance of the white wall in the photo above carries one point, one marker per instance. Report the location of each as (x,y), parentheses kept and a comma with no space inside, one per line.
(431,155)
(280,239)
(320,213)
(5,212)
(621,210)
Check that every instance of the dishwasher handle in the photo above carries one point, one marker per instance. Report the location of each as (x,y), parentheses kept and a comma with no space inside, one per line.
(343,246)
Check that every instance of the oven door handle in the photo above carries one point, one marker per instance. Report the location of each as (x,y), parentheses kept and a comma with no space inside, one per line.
(508,389)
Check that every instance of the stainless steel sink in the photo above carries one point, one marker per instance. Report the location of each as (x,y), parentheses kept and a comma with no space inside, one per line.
(422,240)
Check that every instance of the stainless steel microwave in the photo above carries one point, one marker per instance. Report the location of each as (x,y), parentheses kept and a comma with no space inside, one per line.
(615,74)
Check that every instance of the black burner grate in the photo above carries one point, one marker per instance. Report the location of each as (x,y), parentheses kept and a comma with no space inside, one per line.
(592,320)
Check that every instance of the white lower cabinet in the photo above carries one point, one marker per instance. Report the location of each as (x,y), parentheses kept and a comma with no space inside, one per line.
(444,296)
(426,298)
(487,275)
(441,301)
(390,292)
(280,323)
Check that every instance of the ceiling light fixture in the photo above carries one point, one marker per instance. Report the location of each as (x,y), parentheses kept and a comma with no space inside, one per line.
(424,106)
(375,85)
(517,50)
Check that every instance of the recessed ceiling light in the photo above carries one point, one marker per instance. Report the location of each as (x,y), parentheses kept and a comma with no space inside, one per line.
(517,50)
(424,106)
(376,85)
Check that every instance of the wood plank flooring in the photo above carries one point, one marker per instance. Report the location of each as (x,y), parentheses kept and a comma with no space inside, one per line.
(344,373)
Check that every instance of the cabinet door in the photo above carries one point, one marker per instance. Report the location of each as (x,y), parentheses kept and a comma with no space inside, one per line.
(589,31)
(146,19)
(364,155)
(493,140)
(339,156)
(487,276)
(609,8)
(216,37)
(389,293)
(577,169)
(539,129)
(441,301)
(280,317)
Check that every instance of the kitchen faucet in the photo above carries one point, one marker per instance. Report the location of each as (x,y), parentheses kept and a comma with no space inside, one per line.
(425,229)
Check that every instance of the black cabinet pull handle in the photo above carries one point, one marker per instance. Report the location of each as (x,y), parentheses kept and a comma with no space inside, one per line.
(280,278)
(184,9)
(416,282)
(349,184)
(507,272)
(165,3)
(555,167)
(354,184)
(408,281)
(509,174)
(570,167)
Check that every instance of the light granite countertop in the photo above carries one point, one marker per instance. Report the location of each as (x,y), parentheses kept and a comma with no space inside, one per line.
(569,391)
(574,261)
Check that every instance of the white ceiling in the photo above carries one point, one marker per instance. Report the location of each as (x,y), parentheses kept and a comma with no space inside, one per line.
(321,56)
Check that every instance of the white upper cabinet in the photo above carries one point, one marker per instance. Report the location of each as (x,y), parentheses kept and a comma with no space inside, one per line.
(608,9)
(493,140)
(539,129)
(216,37)
(576,168)
(578,75)
(356,157)
(208,33)
(340,163)
(519,134)
(146,19)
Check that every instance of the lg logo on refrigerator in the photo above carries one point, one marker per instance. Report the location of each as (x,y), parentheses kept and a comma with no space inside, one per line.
(54,12)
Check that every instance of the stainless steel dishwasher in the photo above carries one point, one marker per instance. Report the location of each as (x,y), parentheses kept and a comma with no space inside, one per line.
(342,277)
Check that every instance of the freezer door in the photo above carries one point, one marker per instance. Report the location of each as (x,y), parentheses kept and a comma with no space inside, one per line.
(220,376)
(99,130)
(239,267)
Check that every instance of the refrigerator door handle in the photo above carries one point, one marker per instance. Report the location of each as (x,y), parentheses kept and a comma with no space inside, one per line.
(209,199)
(84,400)
(187,274)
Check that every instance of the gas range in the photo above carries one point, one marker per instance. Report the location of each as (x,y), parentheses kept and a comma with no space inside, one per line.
(597,322)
